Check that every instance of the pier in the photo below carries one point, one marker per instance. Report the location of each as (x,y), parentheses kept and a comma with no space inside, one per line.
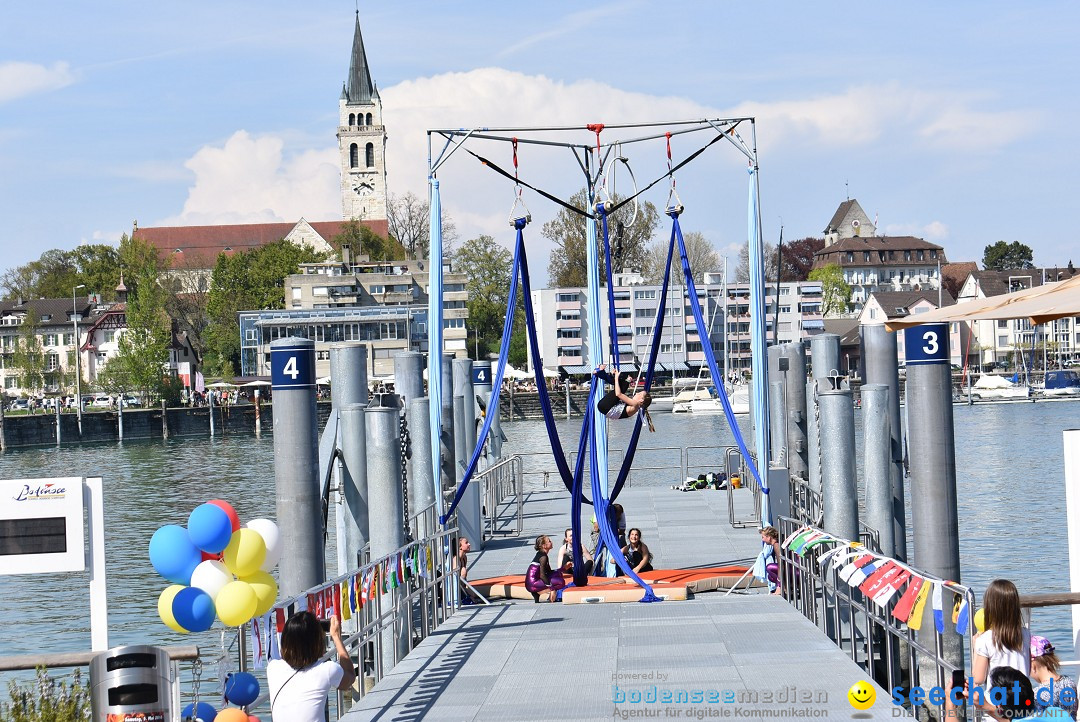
(520,660)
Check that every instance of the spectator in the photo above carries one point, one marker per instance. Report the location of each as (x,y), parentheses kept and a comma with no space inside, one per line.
(298,682)
(1005,643)
(1045,667)
(565,562)
(540,576)
(461,566)
(1017,703)
(770,555)
(637,554)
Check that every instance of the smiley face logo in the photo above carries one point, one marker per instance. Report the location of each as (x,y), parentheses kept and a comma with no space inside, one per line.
(861,695)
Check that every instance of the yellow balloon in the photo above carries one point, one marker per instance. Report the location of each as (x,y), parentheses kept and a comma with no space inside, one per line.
(265,590)
(245,553)
(164,607)
(980,620)
(236,603)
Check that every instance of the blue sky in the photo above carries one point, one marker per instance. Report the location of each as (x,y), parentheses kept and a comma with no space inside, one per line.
(953,122)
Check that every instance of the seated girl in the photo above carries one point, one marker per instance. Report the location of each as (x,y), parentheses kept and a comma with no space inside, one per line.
(636,553)
(617,405)
(565,562)
(540,576)
(1045,668)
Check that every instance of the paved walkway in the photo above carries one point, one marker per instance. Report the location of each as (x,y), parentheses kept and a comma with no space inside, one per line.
(710,657)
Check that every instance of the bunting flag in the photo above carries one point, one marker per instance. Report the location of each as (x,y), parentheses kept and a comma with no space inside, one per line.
(401,570)
(831,555)
(801,539)
(279,620)
(915,619)
(409,573)
(874,582)
(860,575)
(345,604)
(395,573)
(846,555)
(939,612)
(817,542)
(890,588)
(351,591)
(334,592)
(273,642)
(365,591)
(795,535)
(902,610)
(258,651)
(427,559)
(375,576)
(962,616)
(870,585)
(852,567)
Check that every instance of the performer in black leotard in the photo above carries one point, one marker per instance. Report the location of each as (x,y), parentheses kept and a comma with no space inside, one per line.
(617,405)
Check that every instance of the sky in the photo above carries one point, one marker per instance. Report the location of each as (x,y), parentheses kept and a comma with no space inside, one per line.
(954,122)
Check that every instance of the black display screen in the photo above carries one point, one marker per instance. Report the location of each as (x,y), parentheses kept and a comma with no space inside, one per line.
(33,536)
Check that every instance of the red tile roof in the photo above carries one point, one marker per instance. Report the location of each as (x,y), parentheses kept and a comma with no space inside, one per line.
(199,246)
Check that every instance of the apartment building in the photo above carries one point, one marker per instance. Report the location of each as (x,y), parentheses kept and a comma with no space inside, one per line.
(382,304)
(996,342)
(562,322)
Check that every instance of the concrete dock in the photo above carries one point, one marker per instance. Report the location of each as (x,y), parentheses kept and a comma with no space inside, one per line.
(741,656)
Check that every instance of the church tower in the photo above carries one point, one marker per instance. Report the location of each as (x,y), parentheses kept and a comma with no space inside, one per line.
(361,140)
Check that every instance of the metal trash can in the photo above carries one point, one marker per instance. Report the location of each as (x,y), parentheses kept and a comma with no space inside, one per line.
(132,684)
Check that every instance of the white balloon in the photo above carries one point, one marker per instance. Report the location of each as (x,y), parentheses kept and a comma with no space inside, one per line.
(211,576)
(268,530)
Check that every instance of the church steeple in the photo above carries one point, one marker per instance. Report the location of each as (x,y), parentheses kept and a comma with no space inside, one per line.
(360,88)
(361,140)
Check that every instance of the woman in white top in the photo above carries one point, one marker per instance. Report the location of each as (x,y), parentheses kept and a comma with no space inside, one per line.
(617,405)
(1005,643)
(299,682)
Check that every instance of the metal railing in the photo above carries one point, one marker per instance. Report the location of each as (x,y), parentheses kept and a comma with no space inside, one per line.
(503,494)
(733,459)
(393,621)
(892,653)
(806,505)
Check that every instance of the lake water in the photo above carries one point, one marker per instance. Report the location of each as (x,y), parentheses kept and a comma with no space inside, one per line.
(1010,483)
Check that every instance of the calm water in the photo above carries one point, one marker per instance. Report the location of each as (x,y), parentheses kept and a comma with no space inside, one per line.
(1009,475)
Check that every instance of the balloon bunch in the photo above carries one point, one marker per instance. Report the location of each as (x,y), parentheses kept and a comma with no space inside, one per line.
(241,688)
(217,568)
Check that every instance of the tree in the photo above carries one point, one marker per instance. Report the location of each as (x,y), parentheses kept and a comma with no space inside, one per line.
(55,273)
(742,270)
(28,358)
(567,264)
(142,357)
(699,253)
(409,221)
(1002,256)
(835,293)
(487,267)
(797,258)
(249,281)
(364,240)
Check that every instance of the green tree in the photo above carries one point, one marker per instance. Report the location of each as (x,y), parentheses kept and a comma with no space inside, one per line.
(249,281)
(1002,256)
(140,363)
(487,267)
(364,240)
(567,264)
(55,273)
(28,358)
(835,292)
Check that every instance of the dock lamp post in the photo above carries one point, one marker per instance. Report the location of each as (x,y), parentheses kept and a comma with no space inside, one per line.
(78,372)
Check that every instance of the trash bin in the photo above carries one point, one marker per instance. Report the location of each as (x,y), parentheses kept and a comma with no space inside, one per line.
(131,684)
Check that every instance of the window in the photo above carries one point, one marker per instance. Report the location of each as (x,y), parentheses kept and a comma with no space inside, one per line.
(354,155)
(454,323)
(109,336)
(1002,324)
(69,339)
(571,352)
(369,155)
(873,313)
(642,330)
(919,255)
(566,298)
(50,339)
(352,118)
(866,256)
(569,333)
(453,288)
(907,256)
(933,253)
(850,256)
(785,309)
(693,347)
(643,295)
(644,313)
(1003,341)
(319,291)
(367,120)
(52,361)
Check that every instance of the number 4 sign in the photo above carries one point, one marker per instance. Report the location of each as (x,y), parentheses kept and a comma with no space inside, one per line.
(292,364)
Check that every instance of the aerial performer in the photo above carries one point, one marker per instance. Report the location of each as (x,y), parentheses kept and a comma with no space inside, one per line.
(617,405)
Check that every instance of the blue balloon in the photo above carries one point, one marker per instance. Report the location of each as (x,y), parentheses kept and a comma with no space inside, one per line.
(202,713)
(193,609)
(241,688)
(173,555)
(210,528)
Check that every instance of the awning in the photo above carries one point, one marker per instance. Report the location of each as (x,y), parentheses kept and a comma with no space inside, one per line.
(1039,304)
(813,323)
(666,367)
(574,370)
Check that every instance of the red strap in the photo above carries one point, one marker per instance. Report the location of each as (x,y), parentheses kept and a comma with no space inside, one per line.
(596,128)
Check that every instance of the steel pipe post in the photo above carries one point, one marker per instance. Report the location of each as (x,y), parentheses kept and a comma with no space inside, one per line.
(469,516)
(795,409)
(385,503)
(777,427)
(348,373)
(838,481)
(877,463)
(409,376)
(421,488)
(813,437)
(354,485)
(481,376)
(933,463)
(448,466)
(463,386)
(296,465)
(824,356)
(880,367)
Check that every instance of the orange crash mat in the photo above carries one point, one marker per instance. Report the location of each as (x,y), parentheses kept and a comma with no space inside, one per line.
(702,579)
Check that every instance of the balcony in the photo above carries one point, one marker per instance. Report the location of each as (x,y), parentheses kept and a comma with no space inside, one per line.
(568,343)
(568,323)
(568,306)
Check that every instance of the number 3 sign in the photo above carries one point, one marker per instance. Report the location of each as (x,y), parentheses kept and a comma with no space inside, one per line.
(927,344)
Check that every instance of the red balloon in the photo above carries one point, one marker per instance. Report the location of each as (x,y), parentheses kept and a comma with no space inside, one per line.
(253,718)
(228,510)
(208,556)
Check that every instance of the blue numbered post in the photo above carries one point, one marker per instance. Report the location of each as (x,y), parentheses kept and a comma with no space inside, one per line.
(927,345)
(292,366)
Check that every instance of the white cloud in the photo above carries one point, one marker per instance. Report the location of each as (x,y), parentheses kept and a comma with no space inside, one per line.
(253,180)
(933,231)
(18,79)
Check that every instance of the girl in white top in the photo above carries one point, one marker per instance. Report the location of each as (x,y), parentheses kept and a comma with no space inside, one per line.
(1005,643)
(299,682)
